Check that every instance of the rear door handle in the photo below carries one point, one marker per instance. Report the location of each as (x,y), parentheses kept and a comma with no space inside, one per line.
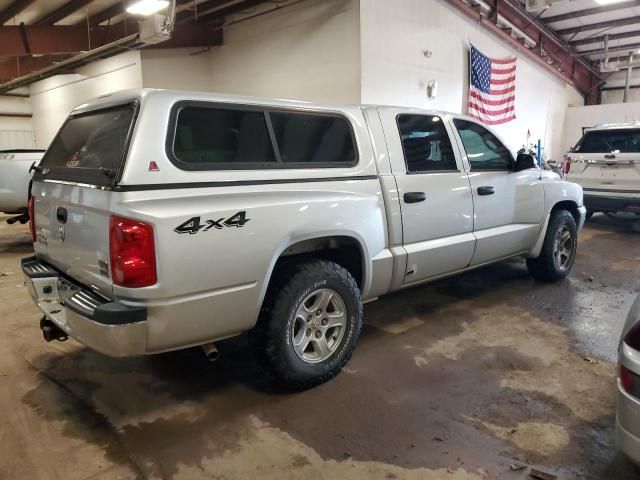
(61,214)
(414,197)
(610,156)
(486,190)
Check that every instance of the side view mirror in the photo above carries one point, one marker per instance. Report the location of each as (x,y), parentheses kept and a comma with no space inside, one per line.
(524,161)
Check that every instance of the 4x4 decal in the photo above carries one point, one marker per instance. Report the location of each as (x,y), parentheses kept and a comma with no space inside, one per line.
(194,225)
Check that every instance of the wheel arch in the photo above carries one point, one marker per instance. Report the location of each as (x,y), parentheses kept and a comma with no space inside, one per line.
(346,249)
(569,205)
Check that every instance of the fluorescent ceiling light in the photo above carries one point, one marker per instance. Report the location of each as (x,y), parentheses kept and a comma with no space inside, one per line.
(609,2)
(147,7)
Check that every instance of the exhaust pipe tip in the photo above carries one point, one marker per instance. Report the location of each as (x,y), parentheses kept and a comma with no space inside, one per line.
(211,351)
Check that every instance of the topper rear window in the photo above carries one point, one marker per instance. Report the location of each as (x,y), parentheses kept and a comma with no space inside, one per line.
(616,140)
(90,147)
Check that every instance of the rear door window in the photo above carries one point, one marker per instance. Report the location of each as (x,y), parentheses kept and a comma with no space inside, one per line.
(610,141)
(90,147)
(426,144)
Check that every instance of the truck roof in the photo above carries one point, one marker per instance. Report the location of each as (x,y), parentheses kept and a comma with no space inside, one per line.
(170,96)
(613,126)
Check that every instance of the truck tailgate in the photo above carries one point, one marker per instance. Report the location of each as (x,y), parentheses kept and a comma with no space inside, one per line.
(72,233)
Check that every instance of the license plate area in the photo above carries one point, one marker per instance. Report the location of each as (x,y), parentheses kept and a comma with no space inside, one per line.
(51,293)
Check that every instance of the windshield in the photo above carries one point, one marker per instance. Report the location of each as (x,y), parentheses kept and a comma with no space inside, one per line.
(610,141)
(90,147)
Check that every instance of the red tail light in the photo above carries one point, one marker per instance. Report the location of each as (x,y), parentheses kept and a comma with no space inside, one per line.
(566,164)
(132,252)
(32,218)
(632,338)
(630,381)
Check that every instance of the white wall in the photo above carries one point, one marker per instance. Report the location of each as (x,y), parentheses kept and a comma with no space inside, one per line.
(395,70)
(616,96)
(15,132)
(52,99)
(308,51)
(579,117)
(179,68)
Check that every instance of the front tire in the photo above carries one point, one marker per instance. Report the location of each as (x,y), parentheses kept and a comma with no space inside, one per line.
(558,252)
(309,325)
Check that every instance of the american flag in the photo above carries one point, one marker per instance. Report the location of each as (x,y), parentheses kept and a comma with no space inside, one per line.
(492,94)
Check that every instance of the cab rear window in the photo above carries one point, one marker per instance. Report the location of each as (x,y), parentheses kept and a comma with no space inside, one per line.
(610,141)
(90,147)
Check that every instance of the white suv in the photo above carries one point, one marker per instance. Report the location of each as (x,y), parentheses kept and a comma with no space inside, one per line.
(606,162)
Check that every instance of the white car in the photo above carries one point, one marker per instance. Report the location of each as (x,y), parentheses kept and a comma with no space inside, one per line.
(14,179)
(628,404)
(165,219)
(606,162)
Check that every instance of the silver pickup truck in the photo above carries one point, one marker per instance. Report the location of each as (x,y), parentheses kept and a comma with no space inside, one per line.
(166,219)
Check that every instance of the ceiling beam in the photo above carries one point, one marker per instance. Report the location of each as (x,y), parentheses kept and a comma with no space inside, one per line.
(590,11)
(16,115)
(67,39)
(618,49)
(14,9)
(620,58)
(69,43)
(202,8)
(550,52)
(229,10)
(18,95)
(618,88)
(621,22)
(107,14)
(63,12)
(600,39)
(119,9)
(191,34)
(16,68)
(46,39)
(181,37)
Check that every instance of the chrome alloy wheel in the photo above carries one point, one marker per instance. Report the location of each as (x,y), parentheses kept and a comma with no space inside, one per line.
(563,248)
(319,325)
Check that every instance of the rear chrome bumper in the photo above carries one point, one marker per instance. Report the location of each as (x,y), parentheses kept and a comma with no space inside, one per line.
(607,202)
(627,425)
(108,327)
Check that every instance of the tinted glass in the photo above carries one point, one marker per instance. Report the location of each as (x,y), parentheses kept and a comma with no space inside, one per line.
(317,139)
(484,150)
(207,137)
(610,141)
(426,144)
(90,147)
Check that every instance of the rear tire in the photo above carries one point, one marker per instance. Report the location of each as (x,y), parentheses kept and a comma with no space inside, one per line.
(559,249)
(309,324)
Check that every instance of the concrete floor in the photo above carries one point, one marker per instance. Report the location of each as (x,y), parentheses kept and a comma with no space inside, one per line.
(459,379)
